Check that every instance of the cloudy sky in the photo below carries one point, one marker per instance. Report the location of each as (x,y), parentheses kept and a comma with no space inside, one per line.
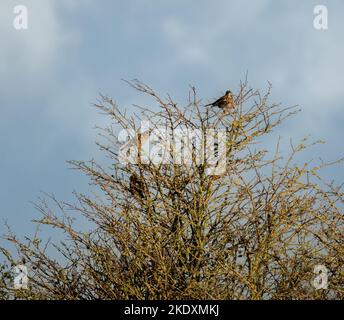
(74,49)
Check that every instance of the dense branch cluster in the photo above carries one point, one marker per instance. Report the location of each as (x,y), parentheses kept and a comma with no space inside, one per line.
(255,230)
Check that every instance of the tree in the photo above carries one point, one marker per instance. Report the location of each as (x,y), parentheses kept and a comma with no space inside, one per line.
(183,224)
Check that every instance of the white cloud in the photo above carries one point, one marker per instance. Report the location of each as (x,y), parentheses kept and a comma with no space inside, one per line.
(31,57)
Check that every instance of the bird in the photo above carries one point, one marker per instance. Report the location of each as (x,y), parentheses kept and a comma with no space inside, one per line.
(225,102)
(136,186)
(136,143)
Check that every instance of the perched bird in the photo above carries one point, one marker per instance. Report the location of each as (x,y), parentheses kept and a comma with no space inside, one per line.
(136,186)
(136,143)
(225,102)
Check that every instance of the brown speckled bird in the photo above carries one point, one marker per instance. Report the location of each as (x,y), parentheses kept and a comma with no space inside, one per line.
(136,186)
(225,102)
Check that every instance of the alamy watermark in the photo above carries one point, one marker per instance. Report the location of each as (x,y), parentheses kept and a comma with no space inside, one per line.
(21,277)
(321,279)
(320,21)
(21,19)
(182,146)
